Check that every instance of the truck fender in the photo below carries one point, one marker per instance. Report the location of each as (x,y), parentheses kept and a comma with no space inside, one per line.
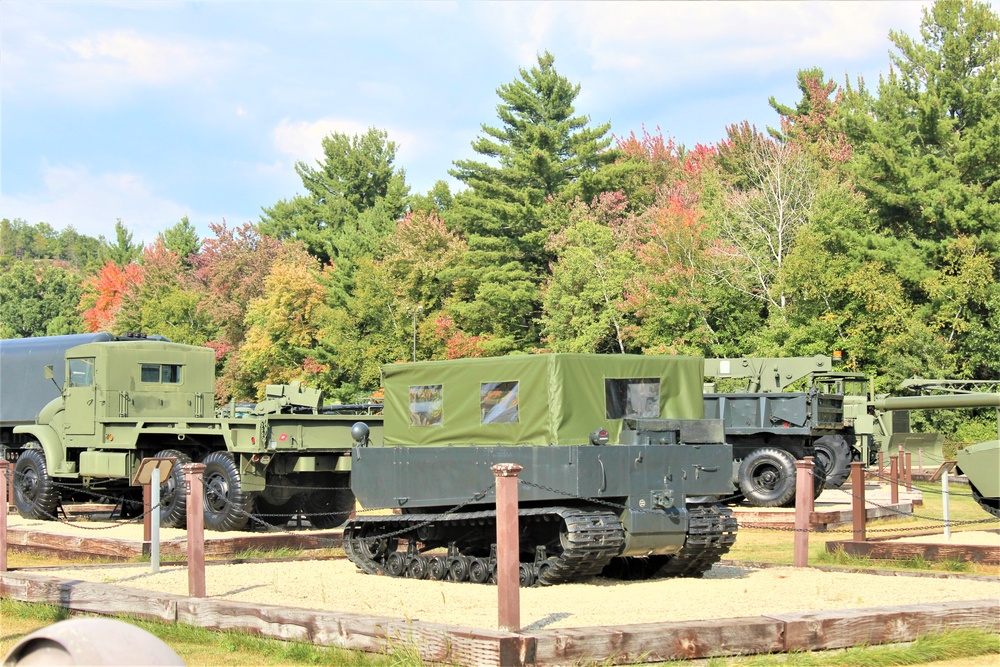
(55,455)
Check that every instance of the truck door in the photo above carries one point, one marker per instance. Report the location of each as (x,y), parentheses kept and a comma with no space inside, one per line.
(81,395)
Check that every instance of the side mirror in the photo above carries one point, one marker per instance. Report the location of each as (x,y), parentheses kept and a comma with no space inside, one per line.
(50,372)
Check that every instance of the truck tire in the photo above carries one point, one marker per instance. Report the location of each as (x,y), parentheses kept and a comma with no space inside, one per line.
(227,505)
(835,454)
(34,491)
(767,477)
(329,509)
(274,515)
(173,498)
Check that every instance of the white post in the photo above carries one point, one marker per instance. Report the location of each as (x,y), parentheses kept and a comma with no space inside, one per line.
(154,524)
(944,504)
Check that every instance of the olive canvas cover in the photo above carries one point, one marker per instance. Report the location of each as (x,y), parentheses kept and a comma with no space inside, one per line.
(558,399)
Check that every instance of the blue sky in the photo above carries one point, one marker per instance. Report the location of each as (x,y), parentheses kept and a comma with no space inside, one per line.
(149,111)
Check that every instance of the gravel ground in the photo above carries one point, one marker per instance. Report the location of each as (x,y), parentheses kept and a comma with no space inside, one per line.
(725,592)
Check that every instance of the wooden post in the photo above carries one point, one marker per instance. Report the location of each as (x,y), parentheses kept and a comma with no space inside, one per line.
(4,485)
(195,528)
(10,485)
(859,512)
(508,548)
(881,465)
(908,471)
(803,508)
(893,479)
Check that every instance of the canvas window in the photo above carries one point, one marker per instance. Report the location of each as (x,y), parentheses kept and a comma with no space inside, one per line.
(632,398)
(426,405)
(81,372)
(498,402)
(161,373)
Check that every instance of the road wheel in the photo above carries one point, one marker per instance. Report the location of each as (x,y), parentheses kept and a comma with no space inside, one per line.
(34,491)
(227,506)
(173,491)
(835,454)
(767,477)
(479,570)
(438,568)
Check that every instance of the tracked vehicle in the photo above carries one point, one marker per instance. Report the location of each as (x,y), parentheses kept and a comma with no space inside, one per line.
(981,464)
(622,476)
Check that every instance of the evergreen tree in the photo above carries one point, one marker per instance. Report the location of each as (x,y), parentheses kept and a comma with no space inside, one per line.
(927,157)
(537,151)
(354,191)
(122,251)
(182,240)
(928,145)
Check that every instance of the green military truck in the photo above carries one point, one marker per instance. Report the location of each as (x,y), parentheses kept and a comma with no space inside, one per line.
(116,400)
(622,475)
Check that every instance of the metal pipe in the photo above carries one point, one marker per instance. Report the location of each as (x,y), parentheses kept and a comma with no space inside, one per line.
(937,402)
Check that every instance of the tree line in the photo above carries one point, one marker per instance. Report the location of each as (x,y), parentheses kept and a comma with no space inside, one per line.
(867,221)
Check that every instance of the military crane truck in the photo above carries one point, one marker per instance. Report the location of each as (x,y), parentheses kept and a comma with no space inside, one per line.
(622,475)
(770,427)
(118,400)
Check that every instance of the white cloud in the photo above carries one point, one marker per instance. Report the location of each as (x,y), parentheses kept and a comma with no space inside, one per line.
(677,42)
(101,64)
(91,203)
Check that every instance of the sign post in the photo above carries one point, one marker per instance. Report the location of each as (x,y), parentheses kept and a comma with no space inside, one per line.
(943,471)
(150,473)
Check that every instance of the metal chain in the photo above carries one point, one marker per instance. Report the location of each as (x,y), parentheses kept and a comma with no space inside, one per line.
(113,524)
(885,478)
(258,517)
(437,517)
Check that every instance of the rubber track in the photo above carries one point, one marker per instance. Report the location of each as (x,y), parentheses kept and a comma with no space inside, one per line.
(989,504)
(711,532)
(592,538)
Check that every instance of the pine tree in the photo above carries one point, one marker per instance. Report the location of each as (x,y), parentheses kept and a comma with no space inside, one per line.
(539,148)
(355,190)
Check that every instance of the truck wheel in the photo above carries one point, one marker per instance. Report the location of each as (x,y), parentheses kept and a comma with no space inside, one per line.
(227,506)
(274,515)
(34,491)
(835,454)
(329,509)
(767,477)
(819,479)
(173,498)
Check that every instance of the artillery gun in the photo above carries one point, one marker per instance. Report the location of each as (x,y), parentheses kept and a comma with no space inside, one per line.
(980,462)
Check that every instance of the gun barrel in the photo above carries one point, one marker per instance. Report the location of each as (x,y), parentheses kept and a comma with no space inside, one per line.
(938,402)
